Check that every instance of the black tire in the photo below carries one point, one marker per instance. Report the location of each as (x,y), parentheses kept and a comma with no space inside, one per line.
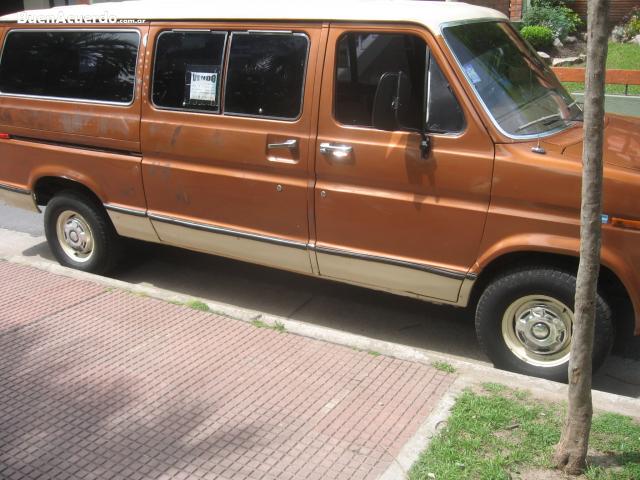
(106,250)
(516,286)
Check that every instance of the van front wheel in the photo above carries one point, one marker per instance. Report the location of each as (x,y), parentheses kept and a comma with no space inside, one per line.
(80,234)
(524,322)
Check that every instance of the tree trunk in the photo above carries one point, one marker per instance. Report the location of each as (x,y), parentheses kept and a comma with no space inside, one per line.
(571,452)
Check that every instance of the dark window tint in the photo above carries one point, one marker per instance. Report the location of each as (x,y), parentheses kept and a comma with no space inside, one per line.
(85,65)
(187,70)
(380,81)
(266,75)
(444,114)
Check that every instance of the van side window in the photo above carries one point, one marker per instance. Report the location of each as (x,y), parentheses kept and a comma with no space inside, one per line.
(372,69)
(188,70)
(265,76)
(444,114)
(79,65)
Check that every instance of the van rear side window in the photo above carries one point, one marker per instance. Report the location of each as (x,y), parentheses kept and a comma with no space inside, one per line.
(82,65)
(266,74)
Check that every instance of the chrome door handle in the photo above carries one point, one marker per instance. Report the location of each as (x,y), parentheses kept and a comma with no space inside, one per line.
(337,151)
(291,144)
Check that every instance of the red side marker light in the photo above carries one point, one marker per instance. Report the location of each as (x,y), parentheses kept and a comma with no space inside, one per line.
(4,136)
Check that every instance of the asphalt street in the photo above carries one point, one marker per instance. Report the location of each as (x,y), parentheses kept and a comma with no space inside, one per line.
(352,309)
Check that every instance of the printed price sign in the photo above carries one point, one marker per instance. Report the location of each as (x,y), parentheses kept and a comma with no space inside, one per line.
(201,86)
(204,87)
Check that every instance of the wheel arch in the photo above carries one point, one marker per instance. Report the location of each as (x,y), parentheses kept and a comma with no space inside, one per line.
(609,284)
(47,186)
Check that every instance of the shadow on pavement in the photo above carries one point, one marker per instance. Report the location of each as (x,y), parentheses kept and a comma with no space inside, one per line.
(40,250)
(321,302)
(69,411)
(343,307)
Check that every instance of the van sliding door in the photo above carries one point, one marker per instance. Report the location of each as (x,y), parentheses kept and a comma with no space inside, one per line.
(226,136)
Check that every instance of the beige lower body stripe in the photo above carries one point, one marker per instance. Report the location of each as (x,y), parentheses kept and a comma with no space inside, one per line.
(388,276)
(245,247)
(18,197)
(380,273)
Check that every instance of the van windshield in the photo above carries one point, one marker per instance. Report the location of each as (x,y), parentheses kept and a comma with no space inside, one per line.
(520,92)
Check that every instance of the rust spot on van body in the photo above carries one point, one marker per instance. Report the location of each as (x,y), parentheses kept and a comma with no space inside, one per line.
(74,123)
(176,134)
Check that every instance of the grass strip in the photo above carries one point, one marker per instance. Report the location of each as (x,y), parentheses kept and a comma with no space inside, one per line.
(495,432)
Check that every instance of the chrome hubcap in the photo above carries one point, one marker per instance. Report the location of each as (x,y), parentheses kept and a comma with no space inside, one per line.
(74,236)
(537,329)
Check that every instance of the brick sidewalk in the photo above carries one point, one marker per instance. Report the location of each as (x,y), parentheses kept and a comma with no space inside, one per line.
(106,384)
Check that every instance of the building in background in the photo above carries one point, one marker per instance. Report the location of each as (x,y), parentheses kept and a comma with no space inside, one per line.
(618,9)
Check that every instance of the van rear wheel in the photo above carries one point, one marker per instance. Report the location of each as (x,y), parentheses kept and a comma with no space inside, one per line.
(524,322)
(80,233)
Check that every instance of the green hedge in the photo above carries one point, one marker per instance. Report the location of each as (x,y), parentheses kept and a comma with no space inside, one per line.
(540,38)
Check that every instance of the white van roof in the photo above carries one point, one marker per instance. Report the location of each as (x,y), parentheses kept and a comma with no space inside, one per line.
(428,13)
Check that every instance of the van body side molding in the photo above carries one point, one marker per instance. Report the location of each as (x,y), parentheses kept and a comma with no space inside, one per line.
(11,188)
(128,211)
(452,281)
(392,261)
(227,231)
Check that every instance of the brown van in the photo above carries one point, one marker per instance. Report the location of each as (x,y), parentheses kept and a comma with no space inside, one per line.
(421,148)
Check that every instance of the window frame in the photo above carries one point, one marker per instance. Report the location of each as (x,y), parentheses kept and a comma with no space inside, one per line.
(474,92)
(223,65)
(304,74)
(71,99)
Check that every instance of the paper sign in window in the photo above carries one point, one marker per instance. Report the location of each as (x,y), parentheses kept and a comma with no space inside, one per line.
(201,86)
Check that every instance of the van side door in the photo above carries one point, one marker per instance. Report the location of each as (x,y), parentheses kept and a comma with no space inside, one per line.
(226,137)
(390,213)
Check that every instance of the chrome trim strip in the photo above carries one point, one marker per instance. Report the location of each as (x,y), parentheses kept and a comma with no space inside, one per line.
(391,261)
(70,100)
(533,136)
(282,32)
(11,188)
(77,100)
(129,211)
(227,231)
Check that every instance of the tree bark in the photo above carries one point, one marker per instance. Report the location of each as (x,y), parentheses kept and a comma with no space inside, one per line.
(571,451)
